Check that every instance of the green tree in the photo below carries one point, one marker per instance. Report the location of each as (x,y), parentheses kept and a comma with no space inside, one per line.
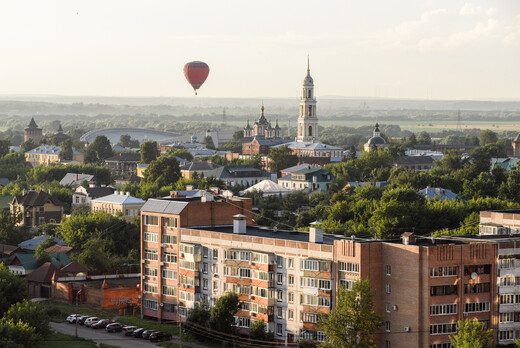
(257,330)
(181,153)
(96,256)
(149,151)
(208,141)
(41,255)
(125,140)
(281,157)
(8,221)
(18,334)
(424,138)
(28,145)
(99,150)
(352,154)
(164,171)
(412,139)
(487,137)
(4,147)
(13,289)
(352,321)
(198,316)
(222,315)
(66,152)
(31,313)
(471,334)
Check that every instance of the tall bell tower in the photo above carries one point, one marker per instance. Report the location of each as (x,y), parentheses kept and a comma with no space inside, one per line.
(307,120)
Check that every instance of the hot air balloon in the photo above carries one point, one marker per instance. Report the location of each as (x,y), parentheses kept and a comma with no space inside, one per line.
(196,73)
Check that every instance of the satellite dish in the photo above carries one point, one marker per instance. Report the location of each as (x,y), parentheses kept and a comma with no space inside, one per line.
(474,275)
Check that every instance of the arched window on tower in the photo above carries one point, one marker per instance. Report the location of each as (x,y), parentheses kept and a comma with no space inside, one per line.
(309,94)
(310,131)
(310,110)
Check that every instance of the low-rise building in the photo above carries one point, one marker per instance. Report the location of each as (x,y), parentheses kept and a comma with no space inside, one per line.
(37,208)
(261,146)
(124,163)
(201,168)
(118,203)
(418,163)
(238,175)
(438,193)
(195,251)
(311,179)
(47,154)
(75,179)
(84,195)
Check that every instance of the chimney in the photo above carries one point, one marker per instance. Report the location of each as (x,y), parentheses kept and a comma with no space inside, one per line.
(173,194)
(408,238)
(128,193)
(316,232)
(239,224)
(76,177)
(189,187)
(206,197)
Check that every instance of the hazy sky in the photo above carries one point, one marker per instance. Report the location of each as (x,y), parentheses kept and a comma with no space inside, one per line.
(407,48)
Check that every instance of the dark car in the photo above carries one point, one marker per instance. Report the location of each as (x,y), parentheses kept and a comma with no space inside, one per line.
(158,336)
(128,330)
(147,333)
(81,320)
(102,324)
(138,333)
(114,327)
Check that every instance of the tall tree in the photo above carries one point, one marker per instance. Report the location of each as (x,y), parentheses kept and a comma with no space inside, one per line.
(424,138)
(149,151)
(471,334)
(222,315)
(487,137)
(28,145)
(31,313)
(66,152)
(208,141)
(352,321)
(4,147)
(17,334)
(13,289)
(99,150)
(126,140)
(181,153)
(164,171)
(281,157)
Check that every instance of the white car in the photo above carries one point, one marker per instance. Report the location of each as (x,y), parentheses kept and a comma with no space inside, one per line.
(91,321)
(72,318)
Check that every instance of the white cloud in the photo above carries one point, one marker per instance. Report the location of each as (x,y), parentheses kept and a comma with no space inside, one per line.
(469,9)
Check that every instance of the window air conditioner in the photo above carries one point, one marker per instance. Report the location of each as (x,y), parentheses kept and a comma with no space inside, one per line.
(406,329)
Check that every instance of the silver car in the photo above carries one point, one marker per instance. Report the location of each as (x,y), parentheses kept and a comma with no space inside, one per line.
(91,321)
(73,317)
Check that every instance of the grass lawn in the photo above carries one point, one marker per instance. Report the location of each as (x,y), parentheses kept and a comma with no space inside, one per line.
(66,341)
(59,311)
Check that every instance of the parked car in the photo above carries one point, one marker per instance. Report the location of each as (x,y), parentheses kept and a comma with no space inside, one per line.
(146,334)
(102,324)
(91,320)
(114,327)
(128,330)
(159,336)
(81,320)
(138,333)
(73,317)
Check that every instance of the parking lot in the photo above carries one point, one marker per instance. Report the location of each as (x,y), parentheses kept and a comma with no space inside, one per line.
(101,336)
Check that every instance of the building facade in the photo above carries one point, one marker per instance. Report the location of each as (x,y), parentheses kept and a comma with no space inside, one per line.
(262,129)
(196,251)
(124,163)
(32,132)
(47,154)
(118,203)
(308,119)
(37,208)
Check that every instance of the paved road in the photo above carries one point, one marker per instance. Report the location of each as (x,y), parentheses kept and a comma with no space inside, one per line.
(101,336)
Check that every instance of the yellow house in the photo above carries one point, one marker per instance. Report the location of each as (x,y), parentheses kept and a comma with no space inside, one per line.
(118,203)
(46,154)
(37,208)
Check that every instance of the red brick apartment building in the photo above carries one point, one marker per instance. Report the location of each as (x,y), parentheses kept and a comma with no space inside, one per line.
(199,249)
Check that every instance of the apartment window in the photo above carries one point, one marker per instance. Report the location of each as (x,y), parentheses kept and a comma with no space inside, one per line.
(443,290)
(509,299)
(315,300)
(279,295)
(506,263)
(387,344)
(505,335)
(314,265)
(169,290)
(150,271)
(169,238)
(388,289)
(245,272)
(508,280)
(204,268)
(170,222)
(388,270)
(151,220)
(443,309)
(243,322)
(473,307)
(260,258)
(442,329)
(151,254)
(205,283)
(478,269)
(388,306)
(441,345)
(291,263)
(315,283)
(444,271)
(215,254)
(477,288)
(387,326)
(187,265)
(346,283)
(290,314)
(215,285)
(205,252)
(126,212)
(186,296)
(183,311)
(309,317)
(150,287)
(348,267)
(290,296)
(170,307)
(169,274)
(279,329)
(279,278)
(169,257)
(507,317)
(150,304)
(279,312)
(291,279)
